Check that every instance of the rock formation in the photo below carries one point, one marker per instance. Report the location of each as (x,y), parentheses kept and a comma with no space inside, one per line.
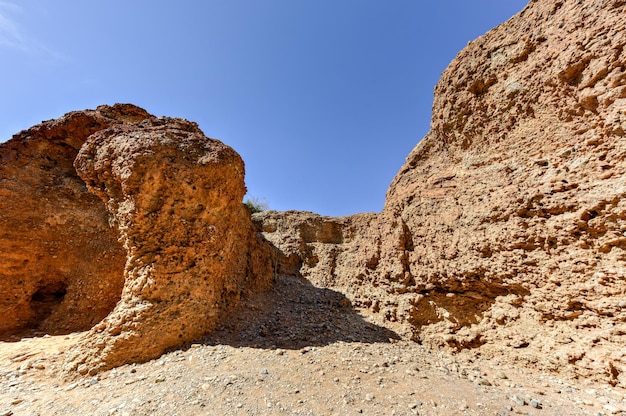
(176,199)
(505,230)
(187,249)
(61,265)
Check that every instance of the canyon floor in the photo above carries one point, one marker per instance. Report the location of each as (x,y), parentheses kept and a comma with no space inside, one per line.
(294,350)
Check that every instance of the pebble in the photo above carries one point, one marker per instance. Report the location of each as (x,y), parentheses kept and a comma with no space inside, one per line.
(612,409)
(482,381)
(535,403)
(518,400)
(71,387)
(415,405)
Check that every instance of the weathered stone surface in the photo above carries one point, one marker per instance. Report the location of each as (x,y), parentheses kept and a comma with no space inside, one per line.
(149,259)
(176,198)
(505,228)
(61,265)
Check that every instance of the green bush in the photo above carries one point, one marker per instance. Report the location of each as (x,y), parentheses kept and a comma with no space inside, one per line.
(254,204)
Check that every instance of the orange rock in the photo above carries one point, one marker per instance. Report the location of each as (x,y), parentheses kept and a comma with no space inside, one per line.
(151,261)
(176,198)
(61,265)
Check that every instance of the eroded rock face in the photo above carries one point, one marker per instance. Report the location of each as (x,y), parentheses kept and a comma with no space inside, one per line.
(61,265)
(146,248)
(505,228)
(515,199)
(176,198)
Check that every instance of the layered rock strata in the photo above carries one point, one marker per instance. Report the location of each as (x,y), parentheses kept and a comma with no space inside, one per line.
(505,230)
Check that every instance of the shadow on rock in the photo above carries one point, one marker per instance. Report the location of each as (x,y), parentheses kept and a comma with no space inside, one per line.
(295,314)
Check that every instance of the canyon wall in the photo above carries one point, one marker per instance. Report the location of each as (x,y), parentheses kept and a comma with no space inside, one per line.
(505,230)
(504,233)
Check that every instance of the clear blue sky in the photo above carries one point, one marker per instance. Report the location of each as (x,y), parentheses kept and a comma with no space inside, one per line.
(323,99)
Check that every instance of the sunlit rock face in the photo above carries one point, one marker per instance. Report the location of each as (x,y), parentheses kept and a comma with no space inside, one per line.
(126,225)
(175,196)
(504,229)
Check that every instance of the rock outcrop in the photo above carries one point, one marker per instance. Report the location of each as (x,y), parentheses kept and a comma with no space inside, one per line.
(504,233)
(146,248)
(61,268)
(176,198)
(505,230)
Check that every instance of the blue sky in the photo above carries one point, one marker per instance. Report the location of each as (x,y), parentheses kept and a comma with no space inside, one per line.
(323,99)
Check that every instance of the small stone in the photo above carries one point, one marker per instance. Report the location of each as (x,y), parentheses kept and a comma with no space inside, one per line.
(415,405)
(612,409)
(518,400)
(535,403)
(6,413)
(159,379)
(71,387)
(483,382)
(369,397)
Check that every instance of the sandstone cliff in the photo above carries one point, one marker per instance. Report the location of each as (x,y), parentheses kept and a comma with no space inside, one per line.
(176,198)
(505,230)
